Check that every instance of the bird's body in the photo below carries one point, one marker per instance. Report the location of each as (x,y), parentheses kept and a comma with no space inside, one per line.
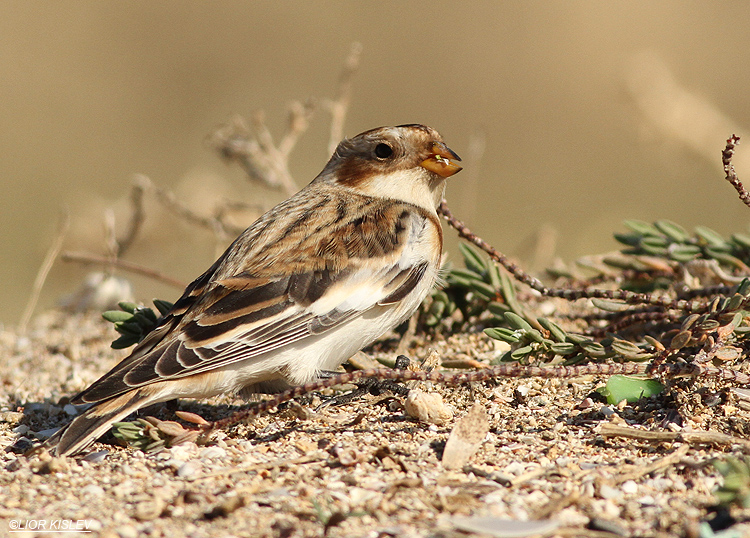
(311,282)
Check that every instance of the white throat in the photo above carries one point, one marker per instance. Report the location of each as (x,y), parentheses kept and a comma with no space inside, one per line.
(408,186)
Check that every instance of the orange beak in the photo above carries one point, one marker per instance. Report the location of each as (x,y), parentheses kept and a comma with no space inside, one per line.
(441,160)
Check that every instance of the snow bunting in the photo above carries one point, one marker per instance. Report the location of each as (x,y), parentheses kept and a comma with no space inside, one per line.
(311,282)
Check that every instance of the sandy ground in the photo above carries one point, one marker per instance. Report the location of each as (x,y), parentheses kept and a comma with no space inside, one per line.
(362,469)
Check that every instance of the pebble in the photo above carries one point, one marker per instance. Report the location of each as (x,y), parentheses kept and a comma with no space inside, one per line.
(45,434)
(96,457)
(11,417)
(70,410)
(188,469)
(21,429)
(608,492)
(92,490)
(127,531)
(428,407)
(413,478)
(126,469)
(212,452)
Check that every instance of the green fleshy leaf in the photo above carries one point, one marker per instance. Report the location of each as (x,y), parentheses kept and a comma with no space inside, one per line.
(641,227)
(563,348)
(115,316)
(556,332)
(163,306)
(127,307)
(517,321)
(504,334)
(610,306)
(632,389)
(125,341)
(472,259)
(672,230)
(710,237)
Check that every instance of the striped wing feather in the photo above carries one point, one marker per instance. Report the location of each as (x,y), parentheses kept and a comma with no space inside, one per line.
(243,306)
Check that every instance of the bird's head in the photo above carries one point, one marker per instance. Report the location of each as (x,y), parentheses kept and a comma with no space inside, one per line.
(407,162)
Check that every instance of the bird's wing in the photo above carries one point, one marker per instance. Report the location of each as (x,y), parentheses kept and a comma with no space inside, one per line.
(304,285)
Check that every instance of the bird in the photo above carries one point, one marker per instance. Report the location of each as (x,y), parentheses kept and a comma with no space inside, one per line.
(310,283)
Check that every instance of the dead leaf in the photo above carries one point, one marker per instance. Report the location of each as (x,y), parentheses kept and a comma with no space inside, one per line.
(466,437)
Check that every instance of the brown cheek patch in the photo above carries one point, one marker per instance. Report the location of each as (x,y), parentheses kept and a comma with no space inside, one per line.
(353,172)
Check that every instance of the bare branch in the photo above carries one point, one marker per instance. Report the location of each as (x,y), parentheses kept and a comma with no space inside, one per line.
(86,258)
(731,174)
(673,112)
(44,270)
(692,437)
(501,370)
(110,236)
(137,216)
(568,294)
(267,162)
(340,106)
(299,120)
(170,201)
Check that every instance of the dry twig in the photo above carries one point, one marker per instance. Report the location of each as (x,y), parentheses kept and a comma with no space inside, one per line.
(86,258)
(501,370)
(255,151)
(731,174)
(44,270)
(568,294)
(137,216)
(257,154)
(340,106)
(694,438)
(170,201)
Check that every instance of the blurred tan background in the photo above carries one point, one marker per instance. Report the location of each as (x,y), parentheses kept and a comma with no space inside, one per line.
(589,113)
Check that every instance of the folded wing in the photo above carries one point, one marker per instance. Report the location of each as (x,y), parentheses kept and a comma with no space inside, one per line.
(240,311)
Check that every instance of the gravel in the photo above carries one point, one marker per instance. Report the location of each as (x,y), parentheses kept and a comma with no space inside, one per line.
(366,468)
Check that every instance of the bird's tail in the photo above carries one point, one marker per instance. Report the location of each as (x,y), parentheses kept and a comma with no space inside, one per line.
(95,421)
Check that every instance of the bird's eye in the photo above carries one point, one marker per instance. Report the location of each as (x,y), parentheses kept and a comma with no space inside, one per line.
(383,151)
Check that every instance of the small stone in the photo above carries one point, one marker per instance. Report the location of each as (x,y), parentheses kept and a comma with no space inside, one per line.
(348,456)
(14,465)
(92,490)
(21,429)
(608,492)
(127,531)
(427,407)
(212,452)
(188,469)
(226,507)
(11,417)
(96,457)
(22,343)
(612,527)
(45,434)
(629,487)
(149,510)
